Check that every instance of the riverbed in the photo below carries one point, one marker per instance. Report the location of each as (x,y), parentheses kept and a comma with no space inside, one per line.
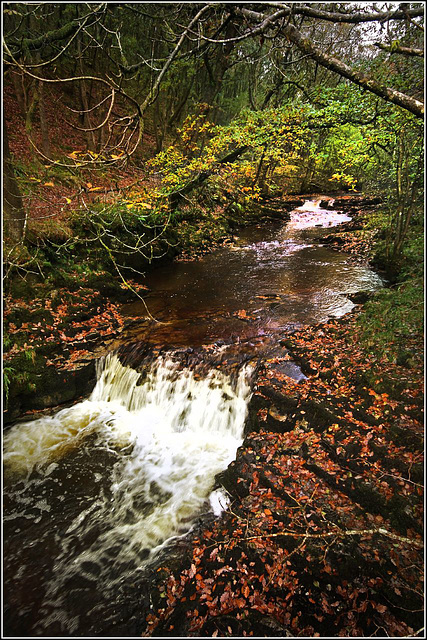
(96,494)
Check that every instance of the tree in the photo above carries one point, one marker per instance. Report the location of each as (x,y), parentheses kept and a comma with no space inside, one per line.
(134,63)
(13,208)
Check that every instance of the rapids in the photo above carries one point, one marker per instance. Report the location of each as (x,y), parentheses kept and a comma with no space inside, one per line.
(144,450)
(96,494)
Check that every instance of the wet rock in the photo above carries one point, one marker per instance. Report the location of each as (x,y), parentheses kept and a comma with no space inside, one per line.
(356,201)
(318,415)
(234,480)
(256,403)
(289,369)
(285,402)
(360,297)
(278,422)
(56,387)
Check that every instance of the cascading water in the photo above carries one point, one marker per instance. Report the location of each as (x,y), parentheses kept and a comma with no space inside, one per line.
(108,483)
(99,493)
(310,214)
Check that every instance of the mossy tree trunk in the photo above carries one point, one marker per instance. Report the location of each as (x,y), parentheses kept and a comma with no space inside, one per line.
(14,215)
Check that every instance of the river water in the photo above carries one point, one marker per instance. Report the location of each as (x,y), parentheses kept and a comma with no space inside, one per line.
(276,273)
(97,493)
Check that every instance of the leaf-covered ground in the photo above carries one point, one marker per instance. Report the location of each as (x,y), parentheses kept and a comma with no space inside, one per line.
(52,339)
(324,533)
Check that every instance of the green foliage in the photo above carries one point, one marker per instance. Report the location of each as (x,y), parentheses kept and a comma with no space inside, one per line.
(278,140)
(8,373)
(413,254)
(393,321)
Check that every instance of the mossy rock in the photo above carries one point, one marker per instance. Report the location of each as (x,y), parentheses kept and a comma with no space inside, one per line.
(41,387)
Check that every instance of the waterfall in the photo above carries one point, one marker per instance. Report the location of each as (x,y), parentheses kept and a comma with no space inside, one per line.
(310,205)
(310,214)
(146,448)
(171,428)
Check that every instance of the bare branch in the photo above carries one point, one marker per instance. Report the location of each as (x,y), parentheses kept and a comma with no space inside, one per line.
(104,122)
(333,64)
(69,29)
(338,533)
(148,100)
(350,17)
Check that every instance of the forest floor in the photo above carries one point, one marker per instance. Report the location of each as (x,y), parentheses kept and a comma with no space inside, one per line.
(323,536)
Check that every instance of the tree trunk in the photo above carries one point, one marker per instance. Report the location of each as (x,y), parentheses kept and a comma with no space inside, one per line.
(17,80)
(31,107)
(176,196)
(43,122)
(13,208)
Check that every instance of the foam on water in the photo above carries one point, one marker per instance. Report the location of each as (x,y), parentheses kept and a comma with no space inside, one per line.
(311,215)
(29,445)
(170,431)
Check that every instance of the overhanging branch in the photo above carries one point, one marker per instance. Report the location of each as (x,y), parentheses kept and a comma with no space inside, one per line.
(396,48)
(306,46)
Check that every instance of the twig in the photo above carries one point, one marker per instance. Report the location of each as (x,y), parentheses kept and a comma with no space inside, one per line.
(338,534)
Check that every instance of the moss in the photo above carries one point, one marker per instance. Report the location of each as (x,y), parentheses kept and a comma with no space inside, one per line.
(21,288)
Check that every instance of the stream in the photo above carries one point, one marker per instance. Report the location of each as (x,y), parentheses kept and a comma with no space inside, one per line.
(98,494)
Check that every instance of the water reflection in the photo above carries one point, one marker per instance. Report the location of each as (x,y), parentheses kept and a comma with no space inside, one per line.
(198,299)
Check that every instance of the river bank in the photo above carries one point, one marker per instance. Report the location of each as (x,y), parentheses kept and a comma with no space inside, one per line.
(323,533)
(323,536)
(55,328)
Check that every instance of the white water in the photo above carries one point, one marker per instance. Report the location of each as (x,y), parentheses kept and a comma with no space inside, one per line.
(169,437)
(311,215)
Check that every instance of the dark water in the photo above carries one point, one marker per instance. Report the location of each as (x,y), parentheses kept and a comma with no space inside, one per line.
(276,274)
(93,493)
